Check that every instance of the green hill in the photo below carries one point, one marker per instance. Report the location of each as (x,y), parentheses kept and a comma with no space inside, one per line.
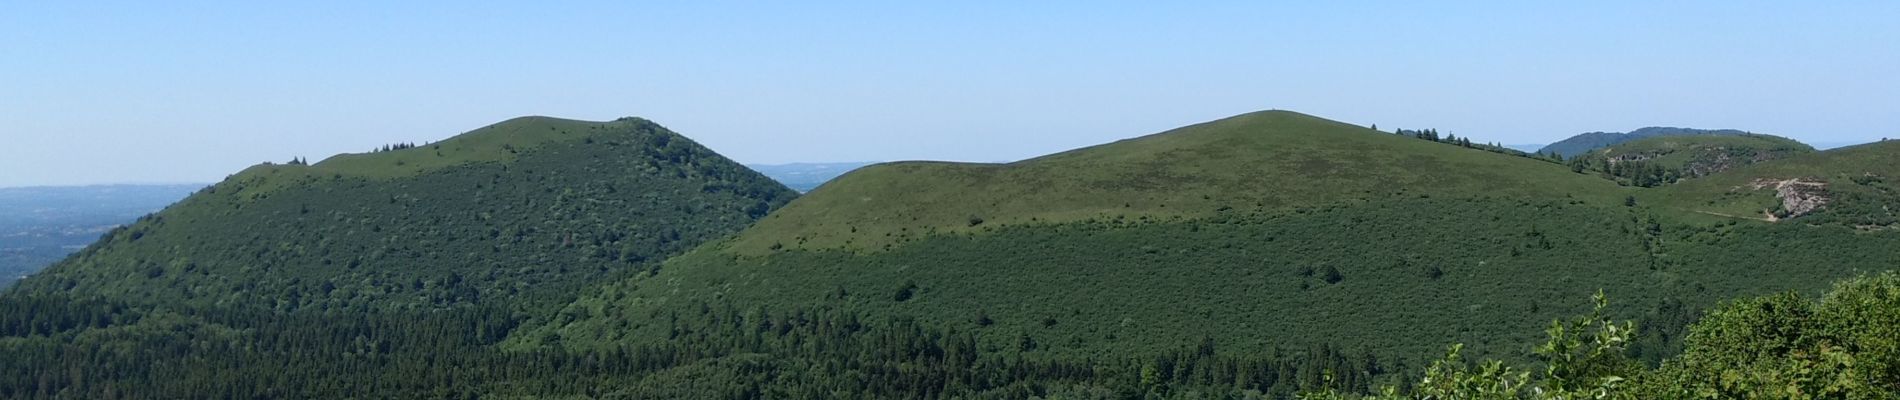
(1265,233)
(1666,159)
(1585,142)
(521,211)
(1270,162)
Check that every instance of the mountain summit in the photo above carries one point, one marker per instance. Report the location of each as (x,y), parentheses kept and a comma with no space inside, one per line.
(1261,161)
(525,210)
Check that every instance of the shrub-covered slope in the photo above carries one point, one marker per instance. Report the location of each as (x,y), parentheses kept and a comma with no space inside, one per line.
(1852,187)
(1666,159)
(520,211)
(1399,278)
(1270,161)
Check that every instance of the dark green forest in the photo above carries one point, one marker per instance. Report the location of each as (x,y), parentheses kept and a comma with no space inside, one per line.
(63,351)
(1777,346)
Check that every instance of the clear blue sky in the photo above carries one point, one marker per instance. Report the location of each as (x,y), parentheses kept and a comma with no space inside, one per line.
(192,91)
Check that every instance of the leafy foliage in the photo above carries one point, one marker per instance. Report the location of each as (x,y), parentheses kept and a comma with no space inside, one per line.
(1847,345)
(1772,347)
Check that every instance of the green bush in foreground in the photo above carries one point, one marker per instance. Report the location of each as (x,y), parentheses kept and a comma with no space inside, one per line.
(1787,347)
(1844,346)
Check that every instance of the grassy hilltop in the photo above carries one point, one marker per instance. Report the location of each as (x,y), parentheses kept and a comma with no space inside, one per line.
(1270,161)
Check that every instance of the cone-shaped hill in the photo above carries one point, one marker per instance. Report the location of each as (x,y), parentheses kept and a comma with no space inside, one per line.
(1265,233)
(522,211)
(1267,161)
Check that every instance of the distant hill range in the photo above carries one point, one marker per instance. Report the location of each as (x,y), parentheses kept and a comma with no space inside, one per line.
(804,177)
(1527,147)
(1656,160)
(1581,143)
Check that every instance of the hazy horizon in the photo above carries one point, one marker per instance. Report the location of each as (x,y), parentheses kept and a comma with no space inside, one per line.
(1527,147)
(147,93)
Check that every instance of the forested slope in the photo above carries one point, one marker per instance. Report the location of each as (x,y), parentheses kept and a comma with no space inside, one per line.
(527,208)
(1265,233)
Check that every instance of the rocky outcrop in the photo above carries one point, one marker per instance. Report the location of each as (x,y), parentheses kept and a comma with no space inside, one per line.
(1798,196)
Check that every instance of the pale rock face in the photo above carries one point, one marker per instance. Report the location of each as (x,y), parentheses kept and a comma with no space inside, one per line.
(1798,196)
